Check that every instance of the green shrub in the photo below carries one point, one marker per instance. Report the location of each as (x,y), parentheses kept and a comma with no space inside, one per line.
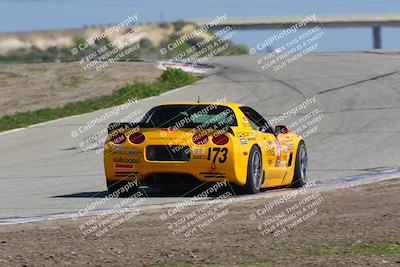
(170,79)
(176,77)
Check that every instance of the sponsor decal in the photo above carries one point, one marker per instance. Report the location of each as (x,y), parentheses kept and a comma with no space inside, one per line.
(199,157)
(240,135)
(290,145)
(162,138)
(168,130)
(198,150)
(124,166)
(277,153)
(243,141)
(126,160)
(285,148)
(199,153)
(270,145)
(117,150)
(245,120)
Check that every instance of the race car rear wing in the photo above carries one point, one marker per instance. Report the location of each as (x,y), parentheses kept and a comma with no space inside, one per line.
(130,125)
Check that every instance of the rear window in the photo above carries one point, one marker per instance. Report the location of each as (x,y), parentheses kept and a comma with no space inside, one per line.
(189,116)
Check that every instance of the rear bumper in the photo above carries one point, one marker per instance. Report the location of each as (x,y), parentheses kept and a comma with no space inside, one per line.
(198,168)
(152,171)
(208,162)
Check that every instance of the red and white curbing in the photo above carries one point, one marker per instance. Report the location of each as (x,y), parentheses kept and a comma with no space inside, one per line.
(187,67)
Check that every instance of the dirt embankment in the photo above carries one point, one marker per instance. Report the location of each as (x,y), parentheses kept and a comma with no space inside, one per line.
(29,87)
(353,227)
(43,40)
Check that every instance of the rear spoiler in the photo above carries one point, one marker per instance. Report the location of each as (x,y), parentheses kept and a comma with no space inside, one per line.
(222,127)
(132,125)
(124,126)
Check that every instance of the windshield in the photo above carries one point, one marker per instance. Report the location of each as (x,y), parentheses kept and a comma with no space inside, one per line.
(189,116)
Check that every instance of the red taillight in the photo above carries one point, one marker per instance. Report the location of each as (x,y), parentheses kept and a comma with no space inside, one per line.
(220,139)
(136,138)
(200,139)
(118,138)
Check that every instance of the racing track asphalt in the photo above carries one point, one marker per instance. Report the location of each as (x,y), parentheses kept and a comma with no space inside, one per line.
(43,170)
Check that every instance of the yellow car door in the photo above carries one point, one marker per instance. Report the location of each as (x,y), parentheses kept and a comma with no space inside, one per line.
(271,147)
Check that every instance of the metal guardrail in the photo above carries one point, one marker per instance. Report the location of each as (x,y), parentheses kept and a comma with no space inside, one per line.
(376,22)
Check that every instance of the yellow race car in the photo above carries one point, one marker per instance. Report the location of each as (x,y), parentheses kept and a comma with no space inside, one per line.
(204,142)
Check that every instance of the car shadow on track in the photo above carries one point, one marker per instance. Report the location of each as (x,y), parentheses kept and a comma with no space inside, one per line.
(160,192)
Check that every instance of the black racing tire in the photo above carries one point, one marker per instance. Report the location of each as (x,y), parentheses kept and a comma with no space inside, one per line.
(300,167)
(254,172)
(117,188)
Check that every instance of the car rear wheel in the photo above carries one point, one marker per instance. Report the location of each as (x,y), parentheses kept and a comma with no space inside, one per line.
(121,188)
(300,168)
(254,172)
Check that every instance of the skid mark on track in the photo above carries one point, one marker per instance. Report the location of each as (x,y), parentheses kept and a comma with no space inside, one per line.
(295,89)
(358,82)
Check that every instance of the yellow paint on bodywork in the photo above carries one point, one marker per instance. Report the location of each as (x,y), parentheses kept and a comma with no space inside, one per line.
(234,168)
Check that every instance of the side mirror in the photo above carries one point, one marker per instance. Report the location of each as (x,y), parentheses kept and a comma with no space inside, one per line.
(281,129)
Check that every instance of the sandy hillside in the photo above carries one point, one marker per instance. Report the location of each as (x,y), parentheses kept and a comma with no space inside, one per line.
(28,87)
(65,38)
